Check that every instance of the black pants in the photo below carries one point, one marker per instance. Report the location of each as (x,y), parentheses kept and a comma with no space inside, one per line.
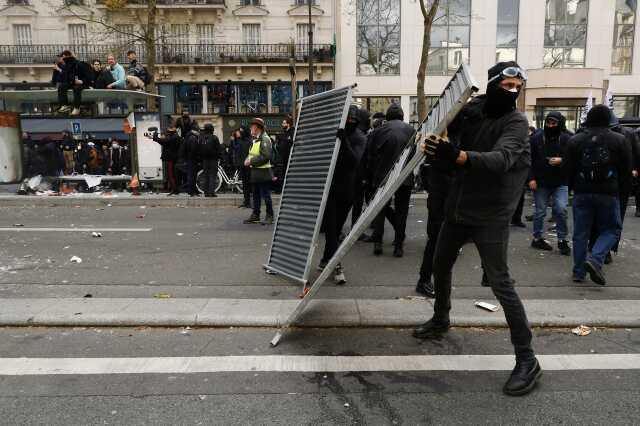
(397,217)
(434,223)
(245,175)
(63,98)
(339,203)
(262,191)
(517,215)
(210,167)
(358,201)
(492,243)
(190,178)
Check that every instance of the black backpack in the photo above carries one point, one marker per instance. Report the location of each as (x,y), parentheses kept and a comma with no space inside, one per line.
(595,161)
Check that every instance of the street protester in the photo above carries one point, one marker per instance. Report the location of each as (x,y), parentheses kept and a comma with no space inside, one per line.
(259,160)
(76,76)
(386,145)
(284,143)
(548,178)
(191,158)
(170,143)
(488,154)
(599,170)
(209,153)
(240,148)
(184,123)
(360,181)
(340,199)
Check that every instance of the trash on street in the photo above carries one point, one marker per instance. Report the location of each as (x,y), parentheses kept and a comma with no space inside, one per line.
(582,330)
(487,306)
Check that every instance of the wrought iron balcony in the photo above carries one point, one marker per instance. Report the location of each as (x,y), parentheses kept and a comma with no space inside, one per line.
(171,3)
(189,54)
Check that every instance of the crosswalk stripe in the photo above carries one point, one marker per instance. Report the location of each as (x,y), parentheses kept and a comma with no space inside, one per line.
(75,229)
(306,363)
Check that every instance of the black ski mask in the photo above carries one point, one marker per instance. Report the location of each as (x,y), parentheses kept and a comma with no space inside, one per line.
(499,100)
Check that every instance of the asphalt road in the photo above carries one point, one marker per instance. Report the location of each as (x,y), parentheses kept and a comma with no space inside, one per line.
(313,397)
(208,252)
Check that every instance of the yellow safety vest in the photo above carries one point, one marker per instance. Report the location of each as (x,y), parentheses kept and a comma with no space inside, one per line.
(255,152)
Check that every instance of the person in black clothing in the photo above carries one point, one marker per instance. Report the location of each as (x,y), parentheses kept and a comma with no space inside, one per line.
(599,170)
(185,123)
(284,143)
(548,178)
(209,153)
(489,157)
(242,145)
(632,145)
(361,175)
(56,76)
(636,173)
(75,75)
(102,76)
(386,145)
(190,155)
(170,145)
(340,200)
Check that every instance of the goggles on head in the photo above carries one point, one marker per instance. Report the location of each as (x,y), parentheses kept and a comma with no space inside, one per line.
(510,72)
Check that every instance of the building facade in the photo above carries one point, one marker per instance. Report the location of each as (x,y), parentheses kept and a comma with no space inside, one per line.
(571,48)
(223,60)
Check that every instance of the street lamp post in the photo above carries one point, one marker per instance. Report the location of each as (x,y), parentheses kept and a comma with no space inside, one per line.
(310,52)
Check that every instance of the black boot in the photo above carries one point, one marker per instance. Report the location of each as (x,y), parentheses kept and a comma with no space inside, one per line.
(524,378)
(377,249)
(425,288)
(254,218)
(431,329)
(398,251)
(564,248)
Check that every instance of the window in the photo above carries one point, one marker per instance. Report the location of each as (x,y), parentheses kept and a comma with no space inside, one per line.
(375,104)
(507,34)
(413,117)
(280,98)
(449,37)
(251,33)
(378,37)
(77,34)
(250,2)
(626,106)
(222,98)
(623,34)
(565,33)
(305,2)
(179,34)
(124,35)
(302,33)
(189,98)
(206,34)
(22,35)
(252,98)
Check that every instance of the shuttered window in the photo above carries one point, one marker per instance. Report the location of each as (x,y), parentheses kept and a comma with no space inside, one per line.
(22,35)
(77,34)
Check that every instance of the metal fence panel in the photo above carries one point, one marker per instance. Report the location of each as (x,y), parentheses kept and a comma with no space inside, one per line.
(307,183)
(454,97)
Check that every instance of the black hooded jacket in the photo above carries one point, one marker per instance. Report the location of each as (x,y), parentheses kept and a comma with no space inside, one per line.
(352,144)
(170,145)
(386,144)
(546,144)
(487,189)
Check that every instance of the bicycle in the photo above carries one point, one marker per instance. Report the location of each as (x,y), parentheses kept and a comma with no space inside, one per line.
(234,182)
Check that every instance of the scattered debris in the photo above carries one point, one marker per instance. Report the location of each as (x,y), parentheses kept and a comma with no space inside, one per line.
(179,234)
(99,209)
(140,216)
(18,225)
(421,221)
(486,306)
(162,296)
(202,397)
(582,331)
(143,207)
(27,256)
(109,205)
(415,298)
(75,259)
(66,247)
(96,234)
(346,405)
(88,296)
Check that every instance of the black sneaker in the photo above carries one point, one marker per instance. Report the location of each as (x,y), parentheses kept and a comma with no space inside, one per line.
(541,244)
(519,224)
(608,260)
(564,248)
(523,379)
(431,329)
(595,273)
(398,251)
(377,249)
(426,289)
(252,219)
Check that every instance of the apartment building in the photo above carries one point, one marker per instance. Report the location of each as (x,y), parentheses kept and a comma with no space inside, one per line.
(571,49)
(223,60)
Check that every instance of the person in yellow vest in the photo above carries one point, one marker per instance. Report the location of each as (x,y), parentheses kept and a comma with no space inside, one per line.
(259,160)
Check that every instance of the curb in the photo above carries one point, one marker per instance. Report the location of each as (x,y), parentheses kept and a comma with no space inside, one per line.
(320,313)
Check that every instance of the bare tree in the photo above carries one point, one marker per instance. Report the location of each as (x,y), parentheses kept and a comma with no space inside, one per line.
(109,28)
(428,15)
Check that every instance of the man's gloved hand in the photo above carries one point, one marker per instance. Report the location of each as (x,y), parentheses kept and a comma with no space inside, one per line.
(441,149)
(341,134)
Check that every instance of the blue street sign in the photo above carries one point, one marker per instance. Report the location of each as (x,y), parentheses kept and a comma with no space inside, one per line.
(77,129)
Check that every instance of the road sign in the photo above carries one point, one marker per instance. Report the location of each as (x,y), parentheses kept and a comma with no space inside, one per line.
(454,97)
(76,128)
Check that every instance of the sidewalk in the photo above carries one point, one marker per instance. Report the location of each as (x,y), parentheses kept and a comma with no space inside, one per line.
(320,313)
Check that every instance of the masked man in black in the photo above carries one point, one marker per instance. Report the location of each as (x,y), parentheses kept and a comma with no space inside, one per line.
(489,154)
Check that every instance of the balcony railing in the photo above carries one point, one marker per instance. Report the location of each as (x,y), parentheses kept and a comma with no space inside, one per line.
(176,3)
(190,54)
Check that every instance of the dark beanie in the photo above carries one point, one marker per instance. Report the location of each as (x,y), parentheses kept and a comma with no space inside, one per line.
(599,116)
(499,67)
(394,112)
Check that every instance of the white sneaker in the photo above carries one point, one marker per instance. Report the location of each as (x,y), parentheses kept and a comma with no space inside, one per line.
(75,111)
(338,276)
(64,108)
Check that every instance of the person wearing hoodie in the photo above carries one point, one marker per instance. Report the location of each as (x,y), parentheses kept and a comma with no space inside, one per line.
(549,179)
(190,154)
(386,145)
(75,75)
(340,199)
(361,175)
(209,152)
(240,148)
(599,170)
(488,156)
(170,144)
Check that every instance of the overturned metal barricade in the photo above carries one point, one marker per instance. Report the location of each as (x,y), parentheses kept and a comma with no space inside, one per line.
(455,95)
(307,182)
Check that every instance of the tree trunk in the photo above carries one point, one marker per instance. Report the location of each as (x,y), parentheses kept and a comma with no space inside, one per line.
(150,51)
(428,17)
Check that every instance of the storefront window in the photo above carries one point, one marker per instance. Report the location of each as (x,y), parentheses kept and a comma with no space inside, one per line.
(221,98)
(189,98)
(280,98)
(565,33)
(626,106)
(375,104)
(252,98)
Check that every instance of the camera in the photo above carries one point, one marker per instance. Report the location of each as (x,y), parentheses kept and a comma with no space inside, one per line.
(152,132)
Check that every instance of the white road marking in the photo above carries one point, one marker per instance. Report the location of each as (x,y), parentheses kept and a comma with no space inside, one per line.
(75,229)
(306,363)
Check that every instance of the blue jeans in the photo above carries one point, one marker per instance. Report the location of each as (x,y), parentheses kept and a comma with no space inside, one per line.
(262,190)
(560,196)
(603,212)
